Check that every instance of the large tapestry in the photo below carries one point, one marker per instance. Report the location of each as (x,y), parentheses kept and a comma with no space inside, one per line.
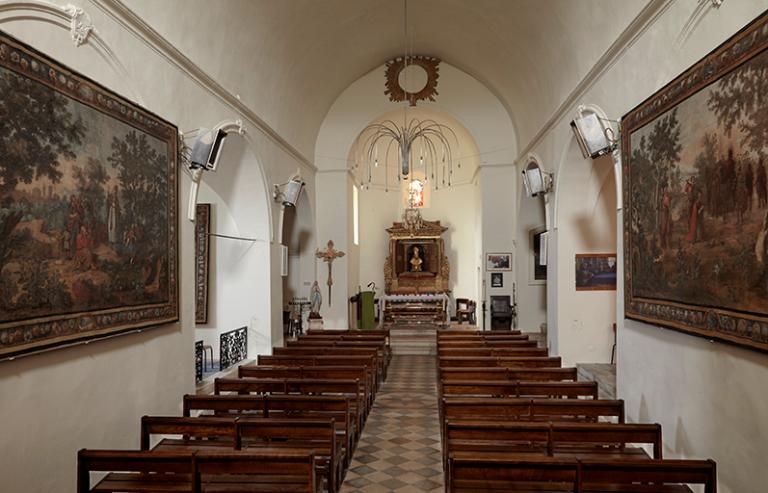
(696,197)
(88,208)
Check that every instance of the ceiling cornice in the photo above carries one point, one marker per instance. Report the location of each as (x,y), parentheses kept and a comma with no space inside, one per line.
(639,25)
(134,24)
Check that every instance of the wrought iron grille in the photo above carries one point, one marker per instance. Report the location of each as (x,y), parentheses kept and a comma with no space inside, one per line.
(198,361)
(233,347)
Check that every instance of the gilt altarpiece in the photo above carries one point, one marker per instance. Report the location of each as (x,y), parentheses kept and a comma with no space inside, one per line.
(416,290)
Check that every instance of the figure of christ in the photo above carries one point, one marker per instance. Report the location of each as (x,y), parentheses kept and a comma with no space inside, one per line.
(416,261)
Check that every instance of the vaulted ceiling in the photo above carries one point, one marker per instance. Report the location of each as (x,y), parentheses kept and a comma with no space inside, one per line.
(290,59)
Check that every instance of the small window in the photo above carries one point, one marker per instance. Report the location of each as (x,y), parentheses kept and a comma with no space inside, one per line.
(355,215)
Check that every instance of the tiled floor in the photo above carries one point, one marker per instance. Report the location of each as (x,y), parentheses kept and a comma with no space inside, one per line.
(400,446)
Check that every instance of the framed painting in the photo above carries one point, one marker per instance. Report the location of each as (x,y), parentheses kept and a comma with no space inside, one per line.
(696,197)
(595,272)
(498,261)
(88,208)
(202,261)
(497,279)
(537,273)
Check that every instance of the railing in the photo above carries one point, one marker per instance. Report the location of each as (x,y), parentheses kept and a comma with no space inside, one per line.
(233,347)
(198,361)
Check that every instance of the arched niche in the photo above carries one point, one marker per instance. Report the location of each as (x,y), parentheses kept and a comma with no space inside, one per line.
(384,198)
(532,220)
(239,284)
(298,235)
(580,322)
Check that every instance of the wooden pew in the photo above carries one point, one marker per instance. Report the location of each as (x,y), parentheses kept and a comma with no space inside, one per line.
(514,388)
(227,434)
(362,373)
(476,333)
(213,431)
(491,351)
(514,343)
(314,435)
(492,373)
(507,362)
(379,358)
(286,471)
(346,388)
(340,343)
(280,406)
(514,409)
(139,471)
(369,361)
(553,475)
(563,440)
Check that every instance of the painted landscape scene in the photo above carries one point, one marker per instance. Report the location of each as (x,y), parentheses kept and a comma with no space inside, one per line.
(84,209)
(699,197)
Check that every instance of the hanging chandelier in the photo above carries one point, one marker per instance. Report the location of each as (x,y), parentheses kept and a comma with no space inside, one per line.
(420,145)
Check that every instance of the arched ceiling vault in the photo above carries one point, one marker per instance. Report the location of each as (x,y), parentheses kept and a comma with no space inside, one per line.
(290,59)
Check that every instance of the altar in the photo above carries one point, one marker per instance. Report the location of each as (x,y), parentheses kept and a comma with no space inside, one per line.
(416,272)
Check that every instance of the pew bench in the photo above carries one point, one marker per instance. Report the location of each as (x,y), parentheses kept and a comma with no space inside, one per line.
(553,475)
(267,435)
(286,471)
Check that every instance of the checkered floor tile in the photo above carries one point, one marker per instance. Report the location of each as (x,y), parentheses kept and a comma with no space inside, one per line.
(399,450)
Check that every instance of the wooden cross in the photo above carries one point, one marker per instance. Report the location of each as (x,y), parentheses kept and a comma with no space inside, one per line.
(329,255)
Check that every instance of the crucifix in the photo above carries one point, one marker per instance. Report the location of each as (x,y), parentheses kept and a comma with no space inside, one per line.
(329,255)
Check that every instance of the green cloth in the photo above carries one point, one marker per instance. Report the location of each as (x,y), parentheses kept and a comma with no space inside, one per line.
(367,311)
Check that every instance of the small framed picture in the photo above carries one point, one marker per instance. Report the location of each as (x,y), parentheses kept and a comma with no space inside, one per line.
(497,279)
(498,261)
(595,272)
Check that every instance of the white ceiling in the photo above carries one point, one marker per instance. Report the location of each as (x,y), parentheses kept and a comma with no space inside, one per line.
(290,59)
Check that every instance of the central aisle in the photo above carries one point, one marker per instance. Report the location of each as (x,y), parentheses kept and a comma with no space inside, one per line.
(400,446)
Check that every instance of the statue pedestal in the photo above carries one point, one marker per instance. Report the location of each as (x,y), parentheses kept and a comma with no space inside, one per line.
(315,324)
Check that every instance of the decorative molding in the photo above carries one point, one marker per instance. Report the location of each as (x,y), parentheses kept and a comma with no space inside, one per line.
(80,25)
(698,14)
(639,25)
(134,24)
(74,20)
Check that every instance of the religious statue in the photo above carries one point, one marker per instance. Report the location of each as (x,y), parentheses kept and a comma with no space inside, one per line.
(416,261)
(315,301)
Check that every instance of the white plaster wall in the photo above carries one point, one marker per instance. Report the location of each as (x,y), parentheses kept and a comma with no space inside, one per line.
(708,397)
(498,190)
(92,396)
(586,223)
(333,212)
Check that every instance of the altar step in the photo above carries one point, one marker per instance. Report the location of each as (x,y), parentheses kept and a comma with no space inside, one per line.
(413,340)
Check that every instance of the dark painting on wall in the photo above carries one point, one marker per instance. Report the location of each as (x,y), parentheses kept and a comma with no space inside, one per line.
(88,208)
(202,261)
(595,272)
(696,197)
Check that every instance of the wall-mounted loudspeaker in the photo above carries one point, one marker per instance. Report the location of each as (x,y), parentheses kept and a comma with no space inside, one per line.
(594,138)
